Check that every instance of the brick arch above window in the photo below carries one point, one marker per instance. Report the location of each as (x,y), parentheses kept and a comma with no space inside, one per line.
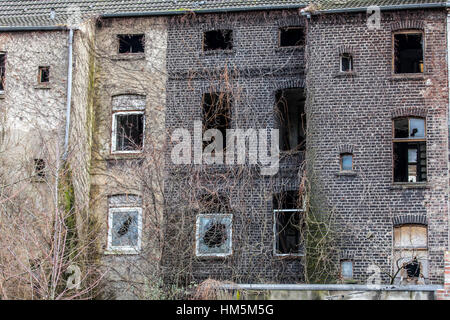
(128,101)
(124,200)
(409,219)
(288,84)
(345,49)
(407,25)
(345,148)
(420,112)
(346,255)
(291,21)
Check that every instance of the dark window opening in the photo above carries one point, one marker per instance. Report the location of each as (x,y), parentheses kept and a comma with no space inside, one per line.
(290,119)
(39,168)
(346,62)
(131,43)
(288,223)
(2,71)
(408,53)
(218,40)
(215,234)
(409,150)
(44,74)
(412,268)
(291,37)
(129,132)
(216,114)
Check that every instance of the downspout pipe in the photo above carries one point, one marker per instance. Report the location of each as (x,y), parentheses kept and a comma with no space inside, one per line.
(69,94)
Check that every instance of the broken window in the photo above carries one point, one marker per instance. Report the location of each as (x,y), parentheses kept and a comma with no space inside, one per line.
(290,119)
(409,150)
(131,43)
(44,75)
(346,62)
(288,224)
(39,168)
(410,251)
(124,232)
(346,162)
(128,131)
(216,115)
(291,37)
(218,40)
(2,71)
(213,234)
(408,52)
(346,269)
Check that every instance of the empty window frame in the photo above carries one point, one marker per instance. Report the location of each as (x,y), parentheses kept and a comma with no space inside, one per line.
(346,160)
(291,37)
(408,52)
(346,269)
(216,114)
(290,119)
(131,43)
(288,222)
(217,40)
(124,230)
(2,71)
(39,168)
(43,75)
(346,62)
(128,132)
(214,235)
(411,251)
(409,150)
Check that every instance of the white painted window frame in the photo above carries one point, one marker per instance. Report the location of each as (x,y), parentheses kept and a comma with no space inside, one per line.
(275,253)
(124,249)
(113,132)
(197,235)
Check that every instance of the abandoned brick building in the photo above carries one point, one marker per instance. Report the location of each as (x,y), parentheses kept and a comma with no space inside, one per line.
(360,99)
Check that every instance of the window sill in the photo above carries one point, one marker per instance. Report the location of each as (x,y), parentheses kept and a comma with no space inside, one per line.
(407,76)
(289,49)
(288,256)
(125,156)
(346,174)
(121,252)
(344,74)
(43,86)
(213,257)
(409,185)
(2,95)
(129,56)
(218,52)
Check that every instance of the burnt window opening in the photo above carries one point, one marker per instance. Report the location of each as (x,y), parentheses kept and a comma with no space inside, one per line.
(39,168)
(128,132)
(346,161)
(44,75)
(218,40)
(292,37)
(216,113)
(213,234)
(346,62)
(408,52)
(290,119)
(288,217)
(131,43)
(2,71)
(412,268)
(409,150)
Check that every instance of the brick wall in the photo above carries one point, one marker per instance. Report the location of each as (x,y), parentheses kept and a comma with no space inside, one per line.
(444,294)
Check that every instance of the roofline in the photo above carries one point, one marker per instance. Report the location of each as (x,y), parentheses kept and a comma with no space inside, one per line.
(391,7)
(32,28)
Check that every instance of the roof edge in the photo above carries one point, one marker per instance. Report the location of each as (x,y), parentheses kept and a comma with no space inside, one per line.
(32,28)
(390,7)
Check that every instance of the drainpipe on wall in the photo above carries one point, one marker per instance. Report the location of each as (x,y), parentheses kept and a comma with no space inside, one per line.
(69,95)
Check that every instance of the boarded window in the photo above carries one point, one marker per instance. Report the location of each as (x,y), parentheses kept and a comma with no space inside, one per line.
(288,224)
(131,43)
(408,52)
(44,75)
(2,71)
(346,62)
(290,119)
(216,114)
(218,40)
(410,251)
(292,37)
(409,150)
(128,132)
(213,234)
(124,233)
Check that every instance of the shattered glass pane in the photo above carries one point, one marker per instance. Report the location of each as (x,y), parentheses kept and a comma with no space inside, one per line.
(214,234)
(125,228)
